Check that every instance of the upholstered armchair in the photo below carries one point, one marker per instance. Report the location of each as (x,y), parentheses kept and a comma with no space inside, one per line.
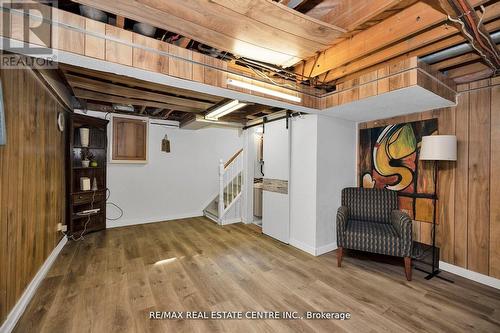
(369,220)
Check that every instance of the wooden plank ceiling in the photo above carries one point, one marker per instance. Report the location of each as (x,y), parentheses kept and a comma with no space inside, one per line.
(383,31)
(329,41)
(99,91)
(257,29)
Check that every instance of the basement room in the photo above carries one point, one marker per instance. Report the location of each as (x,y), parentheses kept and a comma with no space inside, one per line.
(249,166)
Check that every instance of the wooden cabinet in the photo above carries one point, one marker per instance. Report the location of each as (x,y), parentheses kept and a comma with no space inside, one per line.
(130,140)
(80,201)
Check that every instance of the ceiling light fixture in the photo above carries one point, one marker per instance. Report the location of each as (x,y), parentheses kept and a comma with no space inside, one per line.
(263,90)
(225,109)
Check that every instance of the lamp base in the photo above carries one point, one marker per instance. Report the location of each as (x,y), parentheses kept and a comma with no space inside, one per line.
(434,274)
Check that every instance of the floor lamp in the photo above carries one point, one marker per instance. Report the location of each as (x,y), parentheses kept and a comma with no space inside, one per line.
(437,148)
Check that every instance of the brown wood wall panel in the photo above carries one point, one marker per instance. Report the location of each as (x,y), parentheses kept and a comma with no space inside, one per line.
(461,179)
(495,184)
(32,183)
(469,189)
(479,182)
(446,190)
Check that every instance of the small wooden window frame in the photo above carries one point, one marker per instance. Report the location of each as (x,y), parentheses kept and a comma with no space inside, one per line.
(111,136)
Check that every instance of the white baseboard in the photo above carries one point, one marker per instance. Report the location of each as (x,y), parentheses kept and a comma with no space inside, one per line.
(474,276)
(315,251)
(30,290)
(326,248)
(231,221)
(303,246)
(129,222)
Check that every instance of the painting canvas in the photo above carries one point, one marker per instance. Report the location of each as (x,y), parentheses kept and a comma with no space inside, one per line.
(388,158)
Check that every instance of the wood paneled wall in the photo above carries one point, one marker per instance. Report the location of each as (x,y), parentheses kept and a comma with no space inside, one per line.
(469,189)
(32,182)
(389,77)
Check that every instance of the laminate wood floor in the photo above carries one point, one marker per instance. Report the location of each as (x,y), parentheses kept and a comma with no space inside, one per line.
(112,280)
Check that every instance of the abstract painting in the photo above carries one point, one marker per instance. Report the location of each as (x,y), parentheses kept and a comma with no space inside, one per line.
(388,158)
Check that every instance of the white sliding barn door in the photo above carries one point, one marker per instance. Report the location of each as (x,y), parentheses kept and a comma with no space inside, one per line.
(275,201)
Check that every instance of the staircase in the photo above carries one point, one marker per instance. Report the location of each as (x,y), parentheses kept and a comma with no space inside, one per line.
(225,208)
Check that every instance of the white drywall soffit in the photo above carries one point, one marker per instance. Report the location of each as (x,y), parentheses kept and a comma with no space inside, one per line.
(395,103)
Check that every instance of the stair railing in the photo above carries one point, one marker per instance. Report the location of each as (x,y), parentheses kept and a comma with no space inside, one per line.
(230,182)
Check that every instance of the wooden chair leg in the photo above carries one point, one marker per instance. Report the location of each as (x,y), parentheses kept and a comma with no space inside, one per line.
(340,253)
(408,268)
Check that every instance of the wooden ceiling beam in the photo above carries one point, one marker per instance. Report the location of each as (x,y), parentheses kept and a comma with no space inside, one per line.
(455,61)
(102,97)
(267,31)
(422,44)
(466,70)
(167,114)
(404,24)
(120,21)
(114,89)
(350,14)
(138,83)
(476,76)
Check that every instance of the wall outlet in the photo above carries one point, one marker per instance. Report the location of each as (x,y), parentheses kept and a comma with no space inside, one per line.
(62,227)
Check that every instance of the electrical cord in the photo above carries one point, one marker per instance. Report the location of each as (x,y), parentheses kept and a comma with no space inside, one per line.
(464,30)
(82,234)
(108,194)
(81,237)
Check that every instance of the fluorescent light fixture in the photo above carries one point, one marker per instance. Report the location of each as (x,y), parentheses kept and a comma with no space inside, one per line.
(224,109)
(263,90)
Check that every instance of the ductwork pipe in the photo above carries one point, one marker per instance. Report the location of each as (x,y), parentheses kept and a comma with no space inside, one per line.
(455,51)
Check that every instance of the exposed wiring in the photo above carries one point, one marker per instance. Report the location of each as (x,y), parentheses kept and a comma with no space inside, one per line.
(464,30)
(82,234)
(265,76)
(493,47)
(469,18)
(108,194)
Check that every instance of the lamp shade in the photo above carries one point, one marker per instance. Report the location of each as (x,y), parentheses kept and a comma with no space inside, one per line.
(439,148)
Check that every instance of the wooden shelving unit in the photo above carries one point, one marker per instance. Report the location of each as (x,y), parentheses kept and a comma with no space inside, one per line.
(79,200)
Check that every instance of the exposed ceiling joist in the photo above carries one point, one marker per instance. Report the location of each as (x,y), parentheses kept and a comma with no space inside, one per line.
(102,97)
(467,21)
(455,61)
(404,24)
(466,70)
(267,31)
(114,89)
(427,42)
(120,21)
(350,14)
(120,79)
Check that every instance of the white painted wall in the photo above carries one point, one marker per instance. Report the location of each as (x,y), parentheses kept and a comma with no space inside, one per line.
(174,185)
(276,206)
(336,170)
(323,162)
(303,182)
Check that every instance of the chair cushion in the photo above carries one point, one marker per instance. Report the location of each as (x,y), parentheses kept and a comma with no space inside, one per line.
(372,237)
(369,204)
